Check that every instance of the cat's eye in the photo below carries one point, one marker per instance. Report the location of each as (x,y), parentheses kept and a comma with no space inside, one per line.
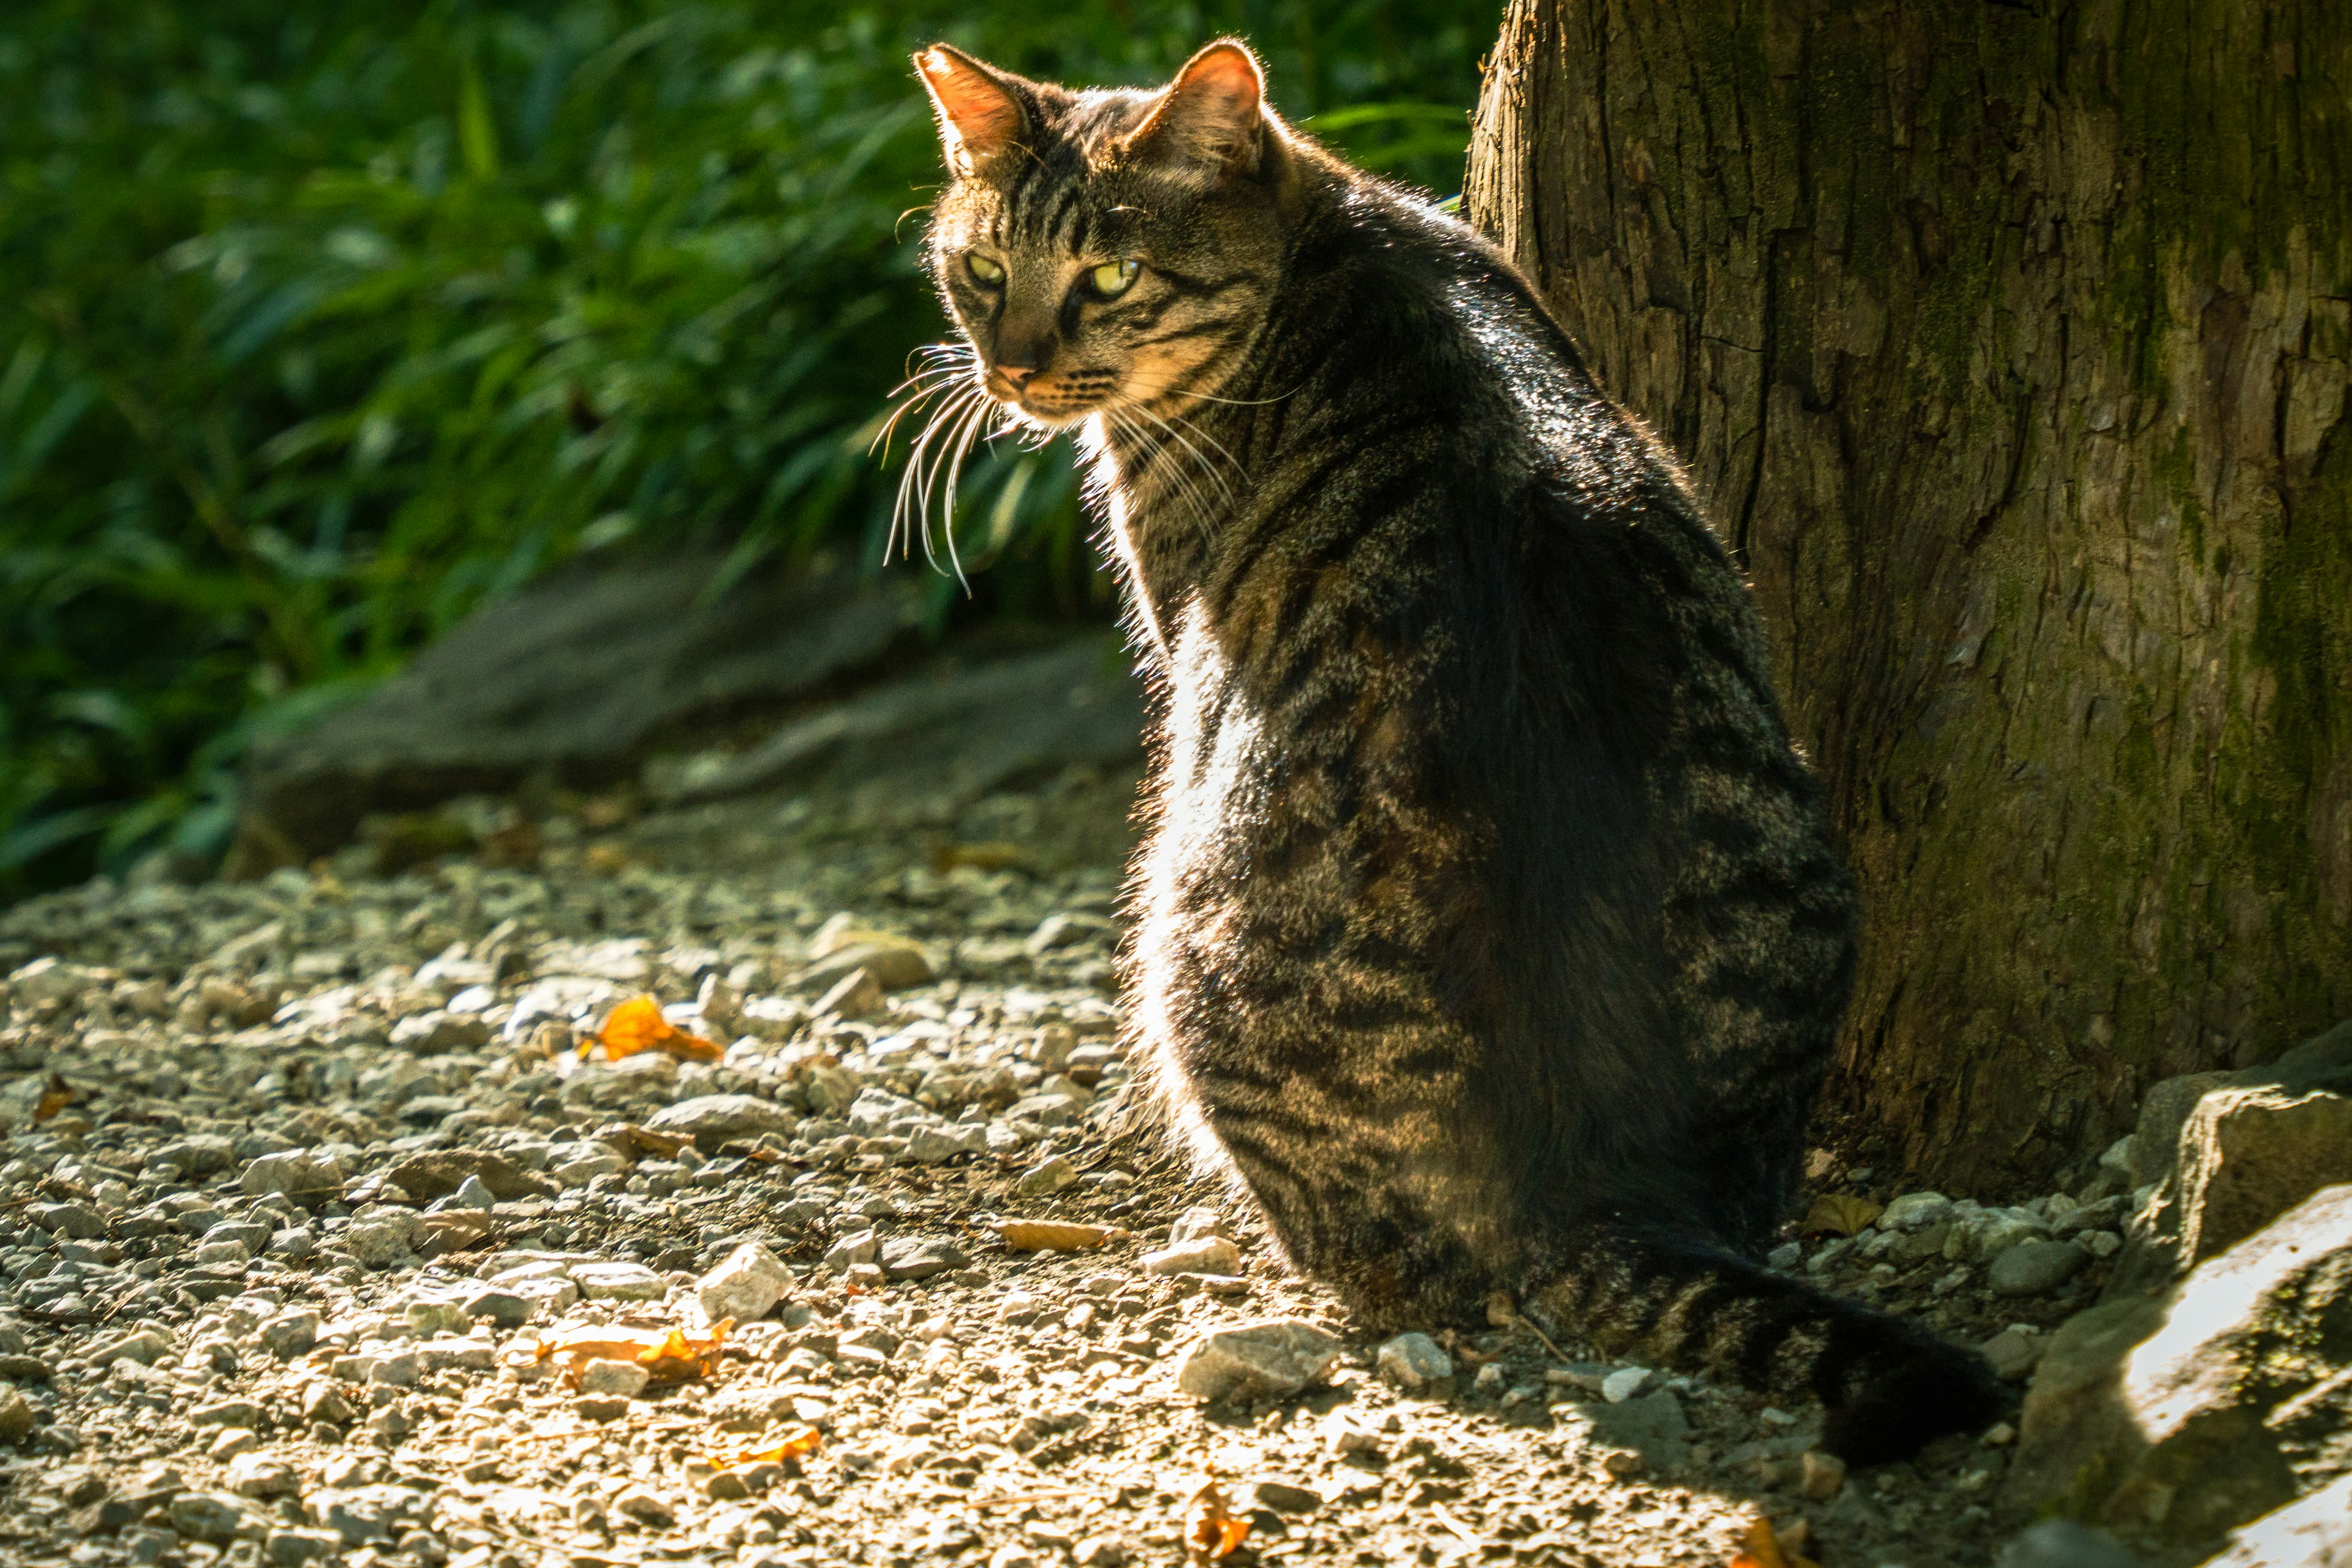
(1113,278)
(981,268)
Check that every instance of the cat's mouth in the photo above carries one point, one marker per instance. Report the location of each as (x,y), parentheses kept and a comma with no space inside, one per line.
(1050,400)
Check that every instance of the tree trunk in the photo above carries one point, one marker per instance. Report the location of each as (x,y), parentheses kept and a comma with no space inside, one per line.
(2007,342)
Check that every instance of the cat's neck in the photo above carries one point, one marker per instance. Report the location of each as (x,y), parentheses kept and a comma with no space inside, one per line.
(1169,484)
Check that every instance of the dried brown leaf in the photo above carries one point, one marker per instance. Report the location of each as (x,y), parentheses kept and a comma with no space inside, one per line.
(1841,1213)
(1054,1235)
(54,1098)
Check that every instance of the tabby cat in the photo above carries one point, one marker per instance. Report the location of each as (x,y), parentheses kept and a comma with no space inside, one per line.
(1488,929)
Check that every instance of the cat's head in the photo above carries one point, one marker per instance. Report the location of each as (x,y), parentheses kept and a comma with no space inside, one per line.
(1108,249)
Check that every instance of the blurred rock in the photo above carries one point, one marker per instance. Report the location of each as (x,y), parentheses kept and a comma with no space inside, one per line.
(962,734)
(571,679)
(2229,1153)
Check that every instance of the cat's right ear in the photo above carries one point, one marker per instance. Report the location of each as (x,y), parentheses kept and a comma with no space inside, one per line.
(980,114)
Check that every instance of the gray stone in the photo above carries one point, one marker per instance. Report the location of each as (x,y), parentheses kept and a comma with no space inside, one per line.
(299,1547)
(196,1156)
(2169,1419)
(1205,1255)
(2012,1353)
(17,1417)
(434,1034)
(931,1146)
(381,1239)
(572,677)
(79,1222)
(907,1259)
(227,1412)
(1982,1236)
(439,1173)
(145,1346)
(1272,1358)
(624,1379)
(359,1515)
(2035,1268)
(619,1282)
(506,1309)
(2230,1151)
(858,1246)
(856,995)
(470,1195)
(1914,1211)
(2064,1544)
(261,1474)
(895,964)
(296,1173)
(1625,1383)
(290,1334)
(875,1109)
(1653,1425)
(1047,1177)
(294,1243)
(647,1506)
(746,1287)
(207,1516)
(47,983)
(1415,1364)
(712,1120)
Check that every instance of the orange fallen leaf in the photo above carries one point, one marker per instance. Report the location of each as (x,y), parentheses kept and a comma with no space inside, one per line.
(1211,1530)
(637,1025)
(669,1354)
(1054,1235)
(1841,1213)
(1761,1548)
(803,1441)
(55,1098)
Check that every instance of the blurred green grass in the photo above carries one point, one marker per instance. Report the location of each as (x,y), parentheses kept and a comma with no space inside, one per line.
(320,325)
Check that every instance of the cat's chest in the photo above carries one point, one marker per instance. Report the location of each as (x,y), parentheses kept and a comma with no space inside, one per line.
(1217,757)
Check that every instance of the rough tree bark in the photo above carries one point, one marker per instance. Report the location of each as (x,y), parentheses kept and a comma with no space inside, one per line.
(2007,342)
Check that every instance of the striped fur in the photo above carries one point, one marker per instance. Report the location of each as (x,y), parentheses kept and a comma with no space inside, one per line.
(1488,929)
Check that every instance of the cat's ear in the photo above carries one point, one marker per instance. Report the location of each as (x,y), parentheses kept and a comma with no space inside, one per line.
(981,113)
(1212,118)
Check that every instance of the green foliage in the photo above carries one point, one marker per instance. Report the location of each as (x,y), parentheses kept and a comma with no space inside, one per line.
(320,325)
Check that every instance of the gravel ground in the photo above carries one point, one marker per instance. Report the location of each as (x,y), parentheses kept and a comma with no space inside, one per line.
(306,1197)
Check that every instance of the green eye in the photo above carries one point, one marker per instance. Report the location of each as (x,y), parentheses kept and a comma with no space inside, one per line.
(984,270)
(1113,278)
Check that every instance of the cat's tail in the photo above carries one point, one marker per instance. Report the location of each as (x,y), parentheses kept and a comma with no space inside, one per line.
(1889,1386)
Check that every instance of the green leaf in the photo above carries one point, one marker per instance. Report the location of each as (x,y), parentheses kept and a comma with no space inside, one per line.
(478,134)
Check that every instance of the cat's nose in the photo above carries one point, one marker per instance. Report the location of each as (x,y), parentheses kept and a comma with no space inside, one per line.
(1018,375)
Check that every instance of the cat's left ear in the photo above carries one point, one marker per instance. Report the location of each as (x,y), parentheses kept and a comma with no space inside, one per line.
(981,113)
(1212,118)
